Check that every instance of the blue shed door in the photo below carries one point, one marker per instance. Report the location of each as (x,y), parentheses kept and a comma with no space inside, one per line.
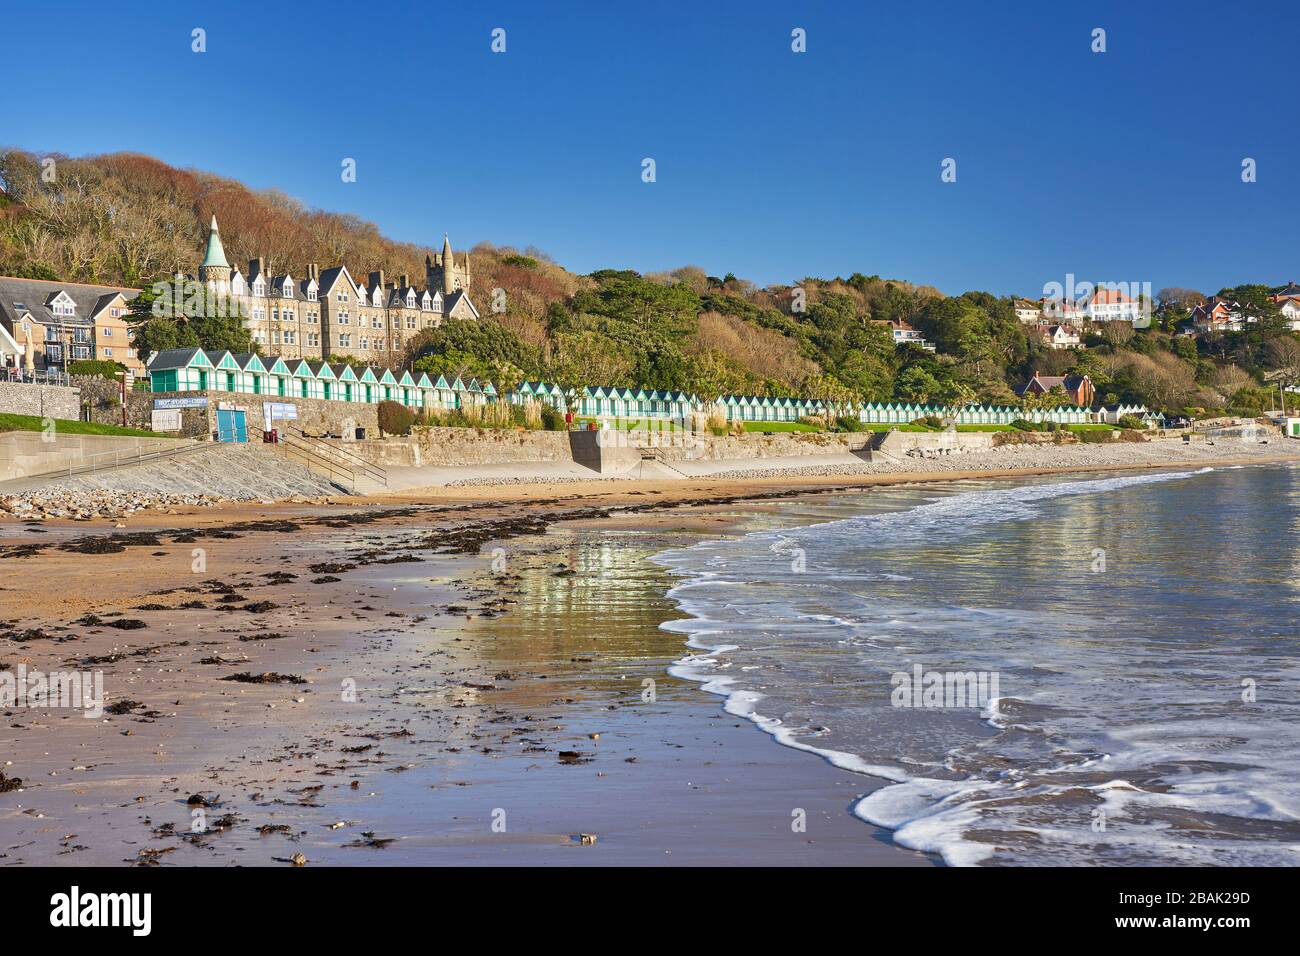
(231,426)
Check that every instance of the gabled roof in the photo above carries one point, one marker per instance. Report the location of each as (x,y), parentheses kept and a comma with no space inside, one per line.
(387,378)
(276,367)
(321,370)
(343,372)
(103,302)
(406,379)
(222,360)
(301,368)
(35,295)
(456,298)
(178,358)
(248,361)
(330,277)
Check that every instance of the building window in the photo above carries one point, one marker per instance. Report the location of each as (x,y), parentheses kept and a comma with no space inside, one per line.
(108,353)
(311,295)
(259,288)
(107,332)
(343,318)
(410,321)
(343,297)
(377,322)
(345,340)
(313,338)
(365,344)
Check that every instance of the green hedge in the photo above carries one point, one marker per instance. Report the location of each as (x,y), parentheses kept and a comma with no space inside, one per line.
(96,368)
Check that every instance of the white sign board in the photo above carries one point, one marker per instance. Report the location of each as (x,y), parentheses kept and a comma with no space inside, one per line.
(166,419)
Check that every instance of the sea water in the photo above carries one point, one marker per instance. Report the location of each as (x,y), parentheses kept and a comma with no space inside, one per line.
(1141,632)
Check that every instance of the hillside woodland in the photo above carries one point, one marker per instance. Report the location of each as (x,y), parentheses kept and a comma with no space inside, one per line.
(126,219)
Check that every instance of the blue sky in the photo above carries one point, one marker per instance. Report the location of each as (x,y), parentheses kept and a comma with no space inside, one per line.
(1119,166)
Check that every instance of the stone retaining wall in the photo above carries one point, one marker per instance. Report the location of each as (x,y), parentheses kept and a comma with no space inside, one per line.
(484,446)
(464,446)
(46,401)
(315,415)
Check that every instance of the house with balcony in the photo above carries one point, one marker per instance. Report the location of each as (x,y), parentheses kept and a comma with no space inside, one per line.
(904,334)
(62,322)
(1217,314)
(1100,305)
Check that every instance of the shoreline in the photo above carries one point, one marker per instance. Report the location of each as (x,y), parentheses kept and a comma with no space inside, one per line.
(477,679)
(618,492)
(466,707)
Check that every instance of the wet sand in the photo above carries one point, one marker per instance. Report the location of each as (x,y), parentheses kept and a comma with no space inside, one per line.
(500,709)
(498,644)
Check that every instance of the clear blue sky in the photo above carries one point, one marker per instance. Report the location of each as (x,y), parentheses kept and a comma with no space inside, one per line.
(1121,166)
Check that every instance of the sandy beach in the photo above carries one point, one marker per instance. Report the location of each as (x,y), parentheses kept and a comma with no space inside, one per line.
(472,676)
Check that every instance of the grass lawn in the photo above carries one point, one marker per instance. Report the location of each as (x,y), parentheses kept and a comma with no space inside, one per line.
(62,426)
(646,424)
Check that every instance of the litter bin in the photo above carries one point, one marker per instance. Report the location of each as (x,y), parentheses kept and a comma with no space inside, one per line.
(361,433)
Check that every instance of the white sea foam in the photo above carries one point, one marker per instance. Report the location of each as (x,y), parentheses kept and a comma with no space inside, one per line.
(1104,709)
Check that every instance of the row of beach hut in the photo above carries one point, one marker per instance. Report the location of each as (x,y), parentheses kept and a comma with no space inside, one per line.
(196,370)
(193,369)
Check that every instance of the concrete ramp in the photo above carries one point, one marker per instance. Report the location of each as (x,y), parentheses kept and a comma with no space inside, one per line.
(27,456)
(235,471)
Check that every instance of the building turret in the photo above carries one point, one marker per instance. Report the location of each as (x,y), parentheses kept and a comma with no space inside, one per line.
(448,286)
(215,269)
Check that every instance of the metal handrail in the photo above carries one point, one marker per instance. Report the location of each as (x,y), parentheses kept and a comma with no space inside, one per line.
(365,467)
(289,448)
(94,467)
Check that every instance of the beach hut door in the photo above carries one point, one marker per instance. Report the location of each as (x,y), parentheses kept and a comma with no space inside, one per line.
(231,426)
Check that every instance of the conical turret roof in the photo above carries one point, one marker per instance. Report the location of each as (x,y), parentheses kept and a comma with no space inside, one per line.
(216,253)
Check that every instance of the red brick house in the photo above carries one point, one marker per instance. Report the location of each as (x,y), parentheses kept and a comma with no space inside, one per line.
(1079,388)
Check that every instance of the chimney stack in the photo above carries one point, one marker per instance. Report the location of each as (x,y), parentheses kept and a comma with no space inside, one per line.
(377,279)
(404,281)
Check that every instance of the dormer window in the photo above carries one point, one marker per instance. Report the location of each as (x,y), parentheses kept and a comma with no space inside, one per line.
(63,305)
(259,288)
(311,293)
(237,284)
(410,301)
(426,302)
(286,290)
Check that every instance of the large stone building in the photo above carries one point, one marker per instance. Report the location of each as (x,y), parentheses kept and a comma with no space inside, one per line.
(333,313)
